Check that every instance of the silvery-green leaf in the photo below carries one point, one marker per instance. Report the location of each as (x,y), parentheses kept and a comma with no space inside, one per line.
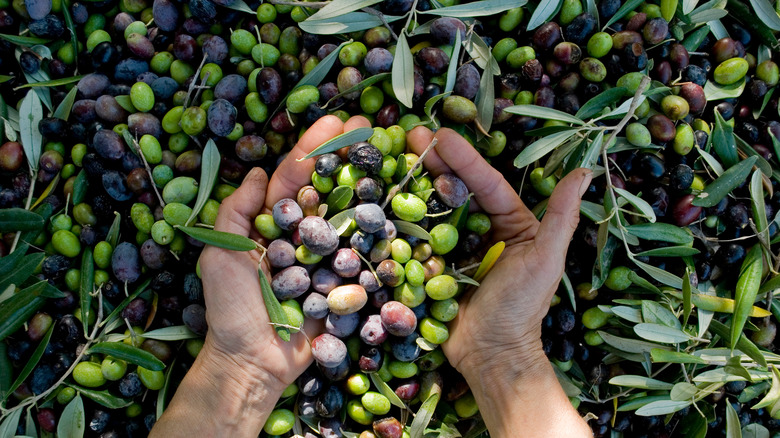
(209,168)
(661,407)
(629,345)
(654,312)
(350,22)
(544,11)
(476,9)
(592,9)
(423,416)
(713,91)
(338,8)
(660,275)
(63,109)
(593,152)
(481,54)
(452,70)
(683,391)
(755,430)
(688,6)
(627,7)
(593,211)
(621,111)
(637,202)
(542,147)
(72,422)
(485,101)
(628,313)
(340,141)
(382,387)
(766,13)
(173,333)
(724,184)
(661,232)
(711,161)
(411,229)
(718,29)
(631,381)
(342,220)
(661,333)
(241,6)
(733,428)
(665,356)
(10,423)
(751,392)
(542,112)
(707,16)
(669,251)
(403,72)
(31,114)
(600,101)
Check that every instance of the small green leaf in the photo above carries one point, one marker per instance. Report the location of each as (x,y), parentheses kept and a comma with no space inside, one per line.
(276,314)
(403,72)
(542,147)
(542,112)
(630,381)
(52,83)
(112,237)
(241,6)
(602,100)
(371,80)
(339,198)
(747,288)
(755,430)
(72,422)
(721,187)
(490,259)
(24,40)
(86,286)
(734,367)
(350,22)
(162,395)
(766,13)
(656,313)
(544,11)
(665,356)
(220,239)
(669,251)
(744,344)
(423,416)
(733,428)
(63,109)
(707,16)
(459,216)
(683,391)
(411,229)
(15,311)
(661,407)
(661,333)
(173,333)
(10,423)
(751,392)
(644,208)
(118,309)
(485,100)
(452,70)
(80,186)
(773,396)
(724,143)
(758,206)
(629,345)
(476,9)
(340,141)
(383,388)
(129,354)
(19,219)
(31,113)
(338,8)
(31,362)
(661,232)
(638,402)
(482,55)
(342,220)
(209,169)
(125,102)
(629,6)
(103,398)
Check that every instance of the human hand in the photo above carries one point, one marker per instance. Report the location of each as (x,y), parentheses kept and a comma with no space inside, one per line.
(495,341)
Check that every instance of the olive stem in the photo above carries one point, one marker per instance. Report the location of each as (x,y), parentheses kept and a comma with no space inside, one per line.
(381,16)
(193,83)
(369,266)
(403,182)
(148,171)
(412,13)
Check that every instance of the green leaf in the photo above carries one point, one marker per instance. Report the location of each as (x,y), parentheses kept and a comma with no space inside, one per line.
(342,220)
(661,232)
(104,398)
(724,184)
(452,70)
(744,15)
(52,83)
(661,407)
(744,344)
(350,22)
(544,11)
(694,39)
(209,169)
(755,430)
(125,102)
(19,219)
(118,309)
(485,100)
(629,345)
(773,396)
(173,333)
(542,147)
(627,7)
(661,333)
(747,288)
(411,229)
(340,141)
(751,392)
(630,381)
(656,313)
(339,198)
(476,9)
(80,186)
(687,295)
(621,110)
(22,270)
(713,91)
(220,239)
(276,314)
(6,370)
(385,390)
(63,109)
(31,113)
(542,112)
(31,363)
(459,216)
(732,422)
(665,356)
(482,55)
(683,391)
(669,251)
(24,40)
(707,16)
(660,275)
(86,286)
(129,354)
(162,394)
(72,422)
(637,403)
(113,233)
(758,206)
(688,6)
(644,208)
(711,161)
(423,416)
(627,313)
(403,72)
(10,423)
(15,311)
(766,13)
(338,8)
(734,367)
(371,80)
(241,6)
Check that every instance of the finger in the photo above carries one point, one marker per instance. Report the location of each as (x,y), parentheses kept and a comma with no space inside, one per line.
(238,211)
(418,140)
(562,215)
(356,122)
(292,174)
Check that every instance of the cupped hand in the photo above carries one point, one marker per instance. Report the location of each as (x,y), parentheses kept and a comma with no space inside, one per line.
(239,329)
(498,327)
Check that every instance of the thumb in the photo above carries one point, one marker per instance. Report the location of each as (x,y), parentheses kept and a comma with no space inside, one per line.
(238,211)
(563,214)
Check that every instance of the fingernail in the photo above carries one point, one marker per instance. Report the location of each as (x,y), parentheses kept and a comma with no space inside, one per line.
(252,173)
(585,182)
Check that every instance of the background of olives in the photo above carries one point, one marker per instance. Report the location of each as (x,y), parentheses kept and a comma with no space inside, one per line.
(141,104)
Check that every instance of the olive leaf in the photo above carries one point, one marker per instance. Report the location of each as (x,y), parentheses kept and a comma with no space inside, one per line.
(713,91)
(638,402)
(173,333)
(629,6)
(544,11)
(350,22)
(733,427)
(660,231)
(423,416)
(80,186)
(694,39)
(602,100)
(661,333)
(687,295)
(661,407)
(766,13)
(485,101)
(112,237)
(340,141)
(103,398)
(755,430)
(476,9)
(411,229)
(31,113)
(118,309)
(241,6)
(659,275)
(490,259)
(654,312)
(630,381)
(342,220)
(128,353)
(452,70)
(276,314)
(542,147)
(31,363)
(220,239)
(627,313)
(743,344)
(746,291)
(63,109)
(644,208)
(19,219)
(403,72)
(52,82)
(665,356)
(459,216)
(383,388)
(339,198)
(371,80)
(707,16)
(125,102)
(209,170)
(48,190)
(22,270)
(741,12)
(162,394)
(72,422)
(24,40)
(758,206)
(688,6)
(630,345)
(592,152)
(74,40)
(542,112)
(773,396)
(724,184)
(10,423)
(86,286)
(338,8)
(669,251)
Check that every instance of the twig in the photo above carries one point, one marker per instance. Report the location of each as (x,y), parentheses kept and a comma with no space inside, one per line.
(371,268)
(381,16)
(403,182)
(412,13)
(148,171)
(194,82)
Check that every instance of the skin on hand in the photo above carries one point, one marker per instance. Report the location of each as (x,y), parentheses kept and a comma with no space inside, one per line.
(495,339)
